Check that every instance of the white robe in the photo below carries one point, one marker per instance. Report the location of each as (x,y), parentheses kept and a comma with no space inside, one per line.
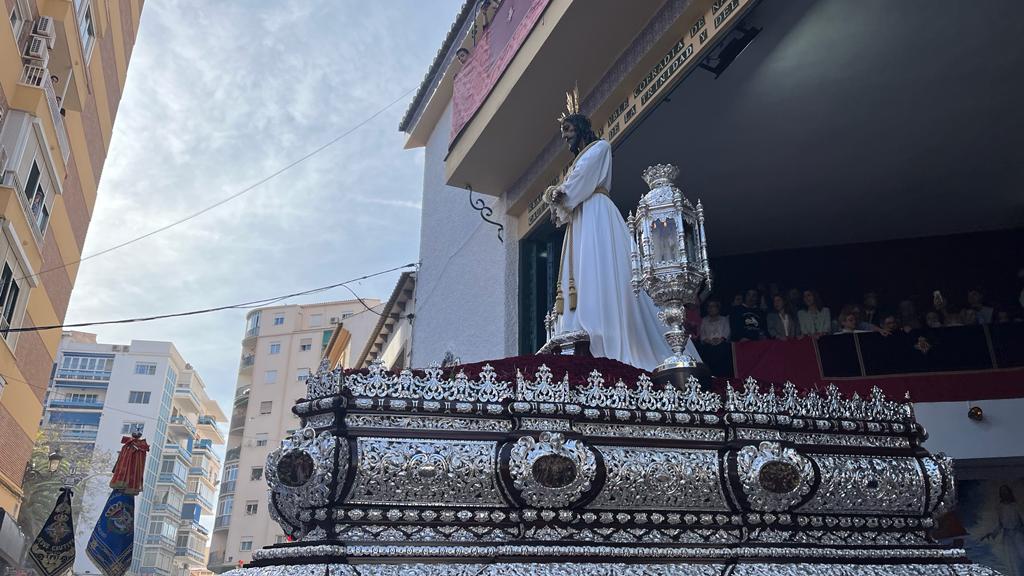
(621,326)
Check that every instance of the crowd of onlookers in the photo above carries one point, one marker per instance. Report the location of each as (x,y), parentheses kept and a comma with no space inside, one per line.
(795,313)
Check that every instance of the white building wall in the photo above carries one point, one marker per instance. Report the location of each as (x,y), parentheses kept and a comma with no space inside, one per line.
(461,285)
(998,435)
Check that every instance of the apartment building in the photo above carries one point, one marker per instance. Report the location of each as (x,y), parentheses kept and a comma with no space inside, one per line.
(100,392)
(63,65)
(282,345)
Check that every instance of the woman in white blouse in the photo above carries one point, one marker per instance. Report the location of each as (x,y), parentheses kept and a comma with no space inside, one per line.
(815,319)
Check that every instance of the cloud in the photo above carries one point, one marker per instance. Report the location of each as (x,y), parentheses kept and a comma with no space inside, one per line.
(220,94)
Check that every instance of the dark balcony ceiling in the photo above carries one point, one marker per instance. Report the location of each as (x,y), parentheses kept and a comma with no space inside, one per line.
(849,122)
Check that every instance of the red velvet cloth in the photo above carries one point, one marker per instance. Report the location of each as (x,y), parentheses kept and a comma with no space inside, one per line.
(130,466)
(777,361)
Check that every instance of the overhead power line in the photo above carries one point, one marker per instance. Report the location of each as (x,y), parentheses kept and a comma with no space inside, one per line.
(249,304)
(227,199)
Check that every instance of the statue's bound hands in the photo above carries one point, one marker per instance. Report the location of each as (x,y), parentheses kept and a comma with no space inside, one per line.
(554,195)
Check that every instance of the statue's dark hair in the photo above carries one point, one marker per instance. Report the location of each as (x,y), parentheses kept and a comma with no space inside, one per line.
(584,132)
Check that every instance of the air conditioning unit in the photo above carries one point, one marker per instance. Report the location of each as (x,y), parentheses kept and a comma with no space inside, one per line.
(335,320)
(44,27)
(37,49)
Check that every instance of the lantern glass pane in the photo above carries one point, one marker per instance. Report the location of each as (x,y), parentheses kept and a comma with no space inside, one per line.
(663,237)
(690,233)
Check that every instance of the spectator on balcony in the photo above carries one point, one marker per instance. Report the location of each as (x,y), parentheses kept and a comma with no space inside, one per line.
(714,328)
(889,326)
(782,324)
(932,319)
(870,314)
(747,321)
(848,321)
(795,299)
(908,318)
(941,307)
(815,319)
(462,54)
(976,302)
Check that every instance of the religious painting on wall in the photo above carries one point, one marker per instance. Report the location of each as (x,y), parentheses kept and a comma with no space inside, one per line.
(989,523)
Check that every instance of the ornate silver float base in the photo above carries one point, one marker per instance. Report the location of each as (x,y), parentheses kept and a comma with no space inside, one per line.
(617,569)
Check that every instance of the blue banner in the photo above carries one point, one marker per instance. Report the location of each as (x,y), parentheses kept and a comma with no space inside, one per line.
(53,550)
(110,546)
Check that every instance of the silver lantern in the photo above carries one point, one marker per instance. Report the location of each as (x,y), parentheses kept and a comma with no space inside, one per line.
(669,258)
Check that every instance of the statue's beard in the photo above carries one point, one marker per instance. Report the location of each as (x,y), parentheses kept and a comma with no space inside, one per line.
(574,146)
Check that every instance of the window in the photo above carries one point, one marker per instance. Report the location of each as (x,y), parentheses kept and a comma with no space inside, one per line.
(35,194)
(86,31)
(275,347)
(167,466)
(245,545)
(316,320)
(261,439)
(17,19)
(278,319)
(266,406)
(301,374)
(270,376)
(33,181)
(306,344)
(129,427)
(225,505)
(9,292)
(181,541)
(145,368)
(256,473)
(252,325)
(137,397)
(251,507)
(149,559)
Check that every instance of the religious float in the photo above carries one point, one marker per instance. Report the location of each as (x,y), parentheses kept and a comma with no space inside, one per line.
(568,465)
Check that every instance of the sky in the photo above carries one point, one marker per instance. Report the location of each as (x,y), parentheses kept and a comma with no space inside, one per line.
(220,95)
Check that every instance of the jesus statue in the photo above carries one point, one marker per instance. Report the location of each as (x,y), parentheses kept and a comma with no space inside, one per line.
(594,298)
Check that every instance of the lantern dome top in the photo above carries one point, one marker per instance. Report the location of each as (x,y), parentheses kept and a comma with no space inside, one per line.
(660,175)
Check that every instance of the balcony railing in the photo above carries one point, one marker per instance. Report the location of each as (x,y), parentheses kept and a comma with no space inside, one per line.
(207,421)
(181,450)
(185,422)
(82,433)
(247,361)
(39,77)
(169,478)
(68,403)
(222,521)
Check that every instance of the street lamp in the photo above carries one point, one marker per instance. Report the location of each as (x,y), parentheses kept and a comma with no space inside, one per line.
(670,262)
(53,460)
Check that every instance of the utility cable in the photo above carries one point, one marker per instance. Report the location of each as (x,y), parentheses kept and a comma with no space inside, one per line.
(250,303)
(223,201)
